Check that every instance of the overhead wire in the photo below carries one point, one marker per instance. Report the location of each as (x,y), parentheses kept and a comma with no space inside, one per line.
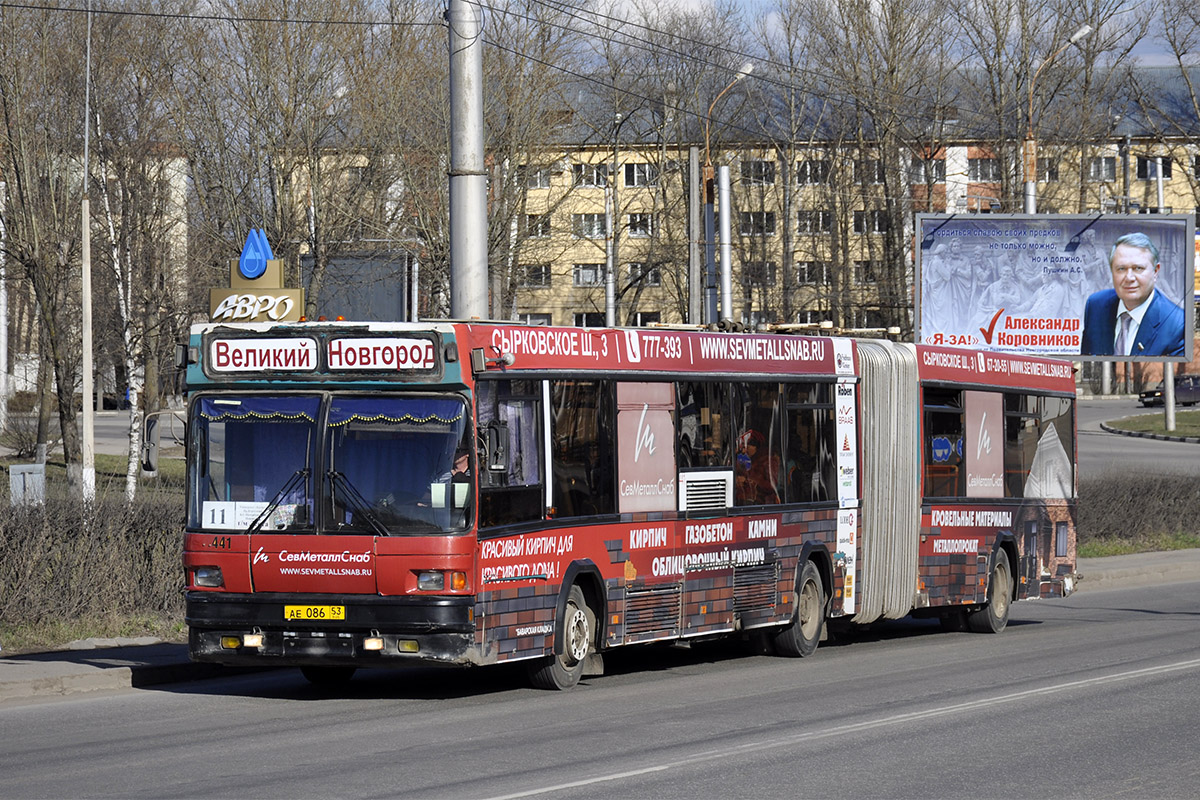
(591,18)
(828,81)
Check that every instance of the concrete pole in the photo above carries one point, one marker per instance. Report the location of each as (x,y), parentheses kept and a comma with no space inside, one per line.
(88,478)
(695,285)
(1159,180)
(468,178)
(610,267)
(1030,158)
(710,249)
(726,243)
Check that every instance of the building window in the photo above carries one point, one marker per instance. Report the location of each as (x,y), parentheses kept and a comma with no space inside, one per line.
(1147,169)
(641,175)
(814,221)
(641,225)
(757,223)
(534,319)
(588,275)
(1196,166)
(588,226)
(1102,168)
(868,170)
(1047,170)
(594,175)
(811,273)
(929,170)
(983,170)
(644,274)
(591,319)
(874,221)
(536,226)
(758,173)
(812,172)
(536,276)
(865,272)
(869,318)
(643,318)
(758,273)
(534,177)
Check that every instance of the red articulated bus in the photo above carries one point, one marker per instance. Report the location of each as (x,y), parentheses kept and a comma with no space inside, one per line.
(385,494)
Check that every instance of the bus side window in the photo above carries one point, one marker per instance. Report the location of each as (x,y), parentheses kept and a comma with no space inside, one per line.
(943,446)
(1020,440)
(583,451)
(513,409)
(810,447)
(703,414)
(758,467)
(1038,451)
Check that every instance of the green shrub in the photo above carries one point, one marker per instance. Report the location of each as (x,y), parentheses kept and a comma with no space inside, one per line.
(59,564)
(1119,514)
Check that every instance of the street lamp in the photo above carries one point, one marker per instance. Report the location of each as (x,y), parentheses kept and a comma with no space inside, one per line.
(1030,143)
(710,264)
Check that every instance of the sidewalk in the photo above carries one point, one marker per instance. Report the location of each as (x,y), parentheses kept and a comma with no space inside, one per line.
(107,665)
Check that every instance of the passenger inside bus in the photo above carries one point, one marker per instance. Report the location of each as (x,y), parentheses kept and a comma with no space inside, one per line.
(757,471)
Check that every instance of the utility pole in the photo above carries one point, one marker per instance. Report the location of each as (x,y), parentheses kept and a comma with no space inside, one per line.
(88,451)
(468,179)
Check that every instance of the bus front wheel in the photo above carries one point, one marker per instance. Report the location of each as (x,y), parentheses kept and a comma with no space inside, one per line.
(803,633)
(578,631)
(993,617)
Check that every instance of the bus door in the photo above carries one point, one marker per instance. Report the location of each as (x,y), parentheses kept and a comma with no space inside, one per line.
(648,490)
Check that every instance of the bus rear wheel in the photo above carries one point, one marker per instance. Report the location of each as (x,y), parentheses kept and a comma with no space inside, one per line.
(578,632)
(803,633)
(993,617)
(327,676)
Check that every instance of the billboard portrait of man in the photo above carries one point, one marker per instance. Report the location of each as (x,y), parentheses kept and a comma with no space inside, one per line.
(1132,318)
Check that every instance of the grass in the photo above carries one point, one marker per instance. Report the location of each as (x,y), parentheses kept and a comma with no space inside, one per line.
(53,635)
(1187,423)
(110,476)
(1103,546)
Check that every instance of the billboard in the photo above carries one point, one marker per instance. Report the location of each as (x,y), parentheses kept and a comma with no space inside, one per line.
(1099,287)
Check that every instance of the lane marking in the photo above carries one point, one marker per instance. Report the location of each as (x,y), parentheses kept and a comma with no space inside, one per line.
(854,727)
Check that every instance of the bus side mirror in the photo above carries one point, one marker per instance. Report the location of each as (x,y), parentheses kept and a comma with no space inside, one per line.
(150,441)
(497,446)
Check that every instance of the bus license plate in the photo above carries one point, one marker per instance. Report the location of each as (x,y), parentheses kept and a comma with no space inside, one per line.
(332,613)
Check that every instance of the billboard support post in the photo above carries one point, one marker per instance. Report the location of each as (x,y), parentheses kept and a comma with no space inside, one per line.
(1169,395)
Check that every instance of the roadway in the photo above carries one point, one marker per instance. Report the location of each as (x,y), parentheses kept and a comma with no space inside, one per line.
(1092,696)
(1101,452)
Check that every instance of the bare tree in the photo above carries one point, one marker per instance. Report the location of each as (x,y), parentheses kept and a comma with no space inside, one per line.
(140,184)
(40,145)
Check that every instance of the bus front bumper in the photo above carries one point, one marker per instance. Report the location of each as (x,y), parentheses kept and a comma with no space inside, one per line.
(251,630)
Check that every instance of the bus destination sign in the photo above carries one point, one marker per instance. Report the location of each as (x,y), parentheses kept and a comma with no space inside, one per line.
(305,354)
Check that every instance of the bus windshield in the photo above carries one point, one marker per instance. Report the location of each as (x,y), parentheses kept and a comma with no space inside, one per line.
(252,457)
(382,465)
(397,464)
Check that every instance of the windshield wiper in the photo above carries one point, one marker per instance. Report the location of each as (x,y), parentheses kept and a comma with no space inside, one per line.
(358,504)
(297,477)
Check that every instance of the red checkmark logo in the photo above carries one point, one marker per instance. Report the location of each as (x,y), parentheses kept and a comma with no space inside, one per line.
(987,332)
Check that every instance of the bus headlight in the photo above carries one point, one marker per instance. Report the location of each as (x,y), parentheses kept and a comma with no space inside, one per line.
(209,577)
(431,581)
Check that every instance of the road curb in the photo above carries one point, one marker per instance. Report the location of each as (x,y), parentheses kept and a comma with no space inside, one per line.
(64,673)
(1104,426)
